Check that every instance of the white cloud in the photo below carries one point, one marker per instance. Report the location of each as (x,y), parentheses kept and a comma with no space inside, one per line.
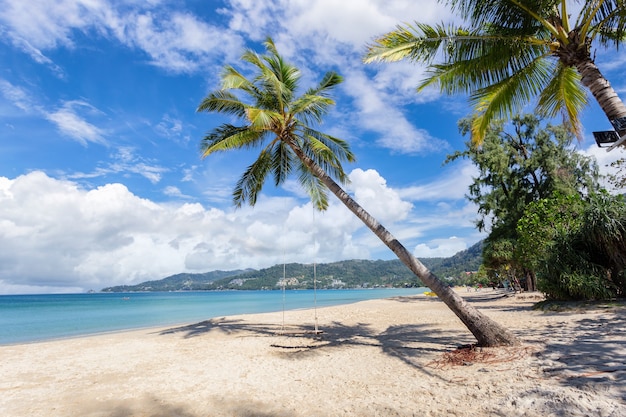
(452,185)
(125,161)
(179,42)
(18,97)
(172,128)
(351,22)
(371,191)
(43,24)
(174,40)
(378,112)
(71,123)
(70,118)
(57,236)
(438,248)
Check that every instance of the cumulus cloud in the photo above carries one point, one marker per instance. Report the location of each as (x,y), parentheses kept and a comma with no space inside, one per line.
(371,191)
(90,239)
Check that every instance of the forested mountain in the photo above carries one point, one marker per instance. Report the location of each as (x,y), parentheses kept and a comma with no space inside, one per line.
(342,274)
(178,282)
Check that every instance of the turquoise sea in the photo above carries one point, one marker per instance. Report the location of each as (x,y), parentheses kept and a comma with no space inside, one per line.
(30,318)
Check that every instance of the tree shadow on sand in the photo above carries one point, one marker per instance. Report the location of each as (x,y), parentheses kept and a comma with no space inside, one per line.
(590,351)
(151,406)
(414,344)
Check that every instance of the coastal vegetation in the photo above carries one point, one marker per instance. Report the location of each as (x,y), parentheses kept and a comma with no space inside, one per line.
(551,225)
(274,118)
(519,163)
(576,245)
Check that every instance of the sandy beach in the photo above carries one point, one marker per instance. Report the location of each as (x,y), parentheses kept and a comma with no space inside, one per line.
(393,357)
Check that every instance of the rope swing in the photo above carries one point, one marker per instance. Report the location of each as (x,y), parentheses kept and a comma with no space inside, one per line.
(284,280)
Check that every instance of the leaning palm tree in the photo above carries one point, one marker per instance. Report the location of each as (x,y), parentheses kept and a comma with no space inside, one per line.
(513,51)
(283,125)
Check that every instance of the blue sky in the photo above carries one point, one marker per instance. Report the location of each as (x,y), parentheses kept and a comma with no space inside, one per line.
(101,182)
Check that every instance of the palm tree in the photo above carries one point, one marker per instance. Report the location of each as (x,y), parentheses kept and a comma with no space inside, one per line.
(514,51)
(282,124)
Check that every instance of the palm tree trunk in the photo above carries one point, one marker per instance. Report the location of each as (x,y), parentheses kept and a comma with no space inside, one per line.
(607,98)
(486,331)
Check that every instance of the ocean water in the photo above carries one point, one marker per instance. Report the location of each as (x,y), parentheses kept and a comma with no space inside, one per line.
(30,318)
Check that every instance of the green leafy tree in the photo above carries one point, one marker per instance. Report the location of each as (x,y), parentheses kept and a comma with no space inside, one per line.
(577,245)
(527,164)
(513,51)
(274,118)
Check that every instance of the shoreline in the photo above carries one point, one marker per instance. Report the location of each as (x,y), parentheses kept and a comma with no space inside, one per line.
(380,357)
(142,318)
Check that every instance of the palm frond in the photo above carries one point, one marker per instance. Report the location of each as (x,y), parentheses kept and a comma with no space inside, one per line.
(268,109)
(226,137)
(251,182)
(282,161)
(339,147)
(222,101)
(314,187)
(508,96)
(510,13)
(231,79)
(607,21)
(482,60)
(330,80)
(261,119)
(564,92)
(277,77)
(418,42)
(323,156)
(310,108)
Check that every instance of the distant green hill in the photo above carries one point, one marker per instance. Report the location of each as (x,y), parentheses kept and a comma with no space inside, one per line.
(342,274)
(178,282)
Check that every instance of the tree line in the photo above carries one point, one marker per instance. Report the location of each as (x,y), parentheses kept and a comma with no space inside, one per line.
(552,226)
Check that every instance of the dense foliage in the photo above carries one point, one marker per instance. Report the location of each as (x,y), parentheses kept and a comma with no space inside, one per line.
(577,245)
(518,164)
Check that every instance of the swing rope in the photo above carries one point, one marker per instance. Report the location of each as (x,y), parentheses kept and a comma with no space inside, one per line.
(282,329)
(315,270)
(284,280)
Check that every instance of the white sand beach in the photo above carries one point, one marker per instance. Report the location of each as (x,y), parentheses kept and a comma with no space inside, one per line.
(374,358)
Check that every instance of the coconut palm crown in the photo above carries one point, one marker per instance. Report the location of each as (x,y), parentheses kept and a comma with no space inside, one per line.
(274,118)
(515,51)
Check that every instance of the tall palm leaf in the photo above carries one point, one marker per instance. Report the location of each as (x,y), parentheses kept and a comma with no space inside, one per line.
(281,124)
(512,52)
